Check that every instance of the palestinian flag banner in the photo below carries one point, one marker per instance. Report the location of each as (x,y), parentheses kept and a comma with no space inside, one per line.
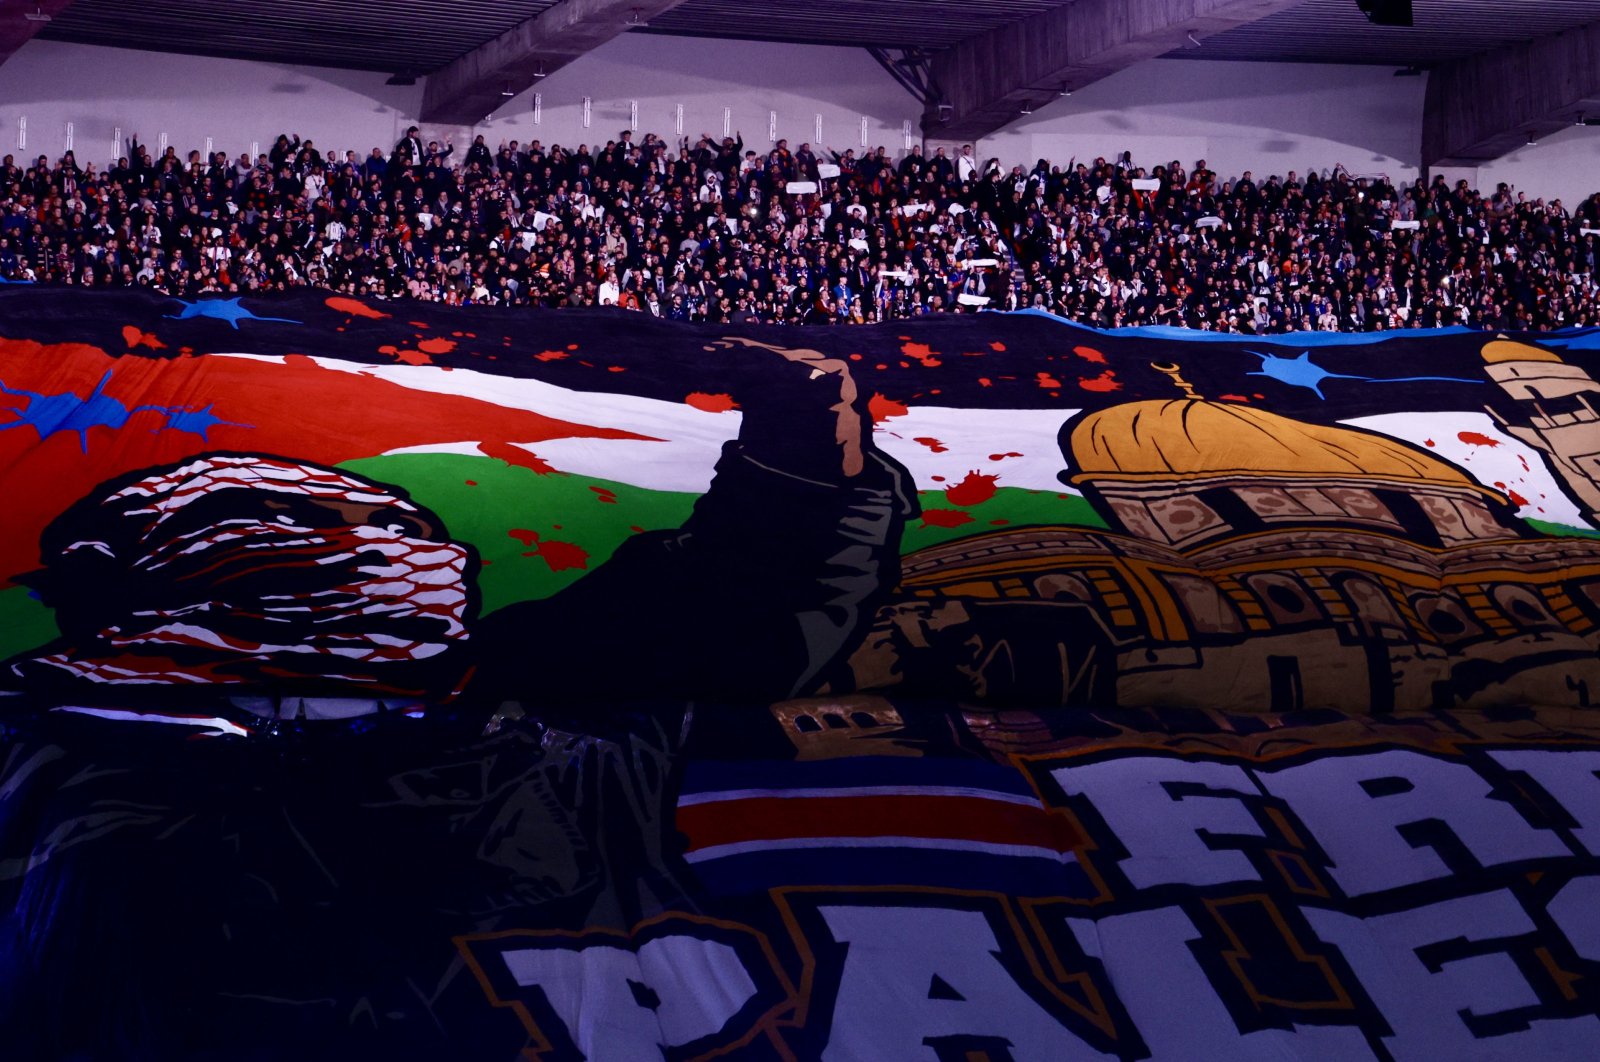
(387,680)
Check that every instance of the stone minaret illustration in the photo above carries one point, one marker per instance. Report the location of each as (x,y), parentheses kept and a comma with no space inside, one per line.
(1560,414)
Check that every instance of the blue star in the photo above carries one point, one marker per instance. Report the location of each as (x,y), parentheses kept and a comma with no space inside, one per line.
(1303,372)
(229,310)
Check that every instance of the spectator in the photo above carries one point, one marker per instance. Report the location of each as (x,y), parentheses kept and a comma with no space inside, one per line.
(707,230)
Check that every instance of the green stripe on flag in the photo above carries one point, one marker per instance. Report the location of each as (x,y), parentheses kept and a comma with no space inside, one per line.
(1545,527)
(1010,507)
(25,622)
(483,500)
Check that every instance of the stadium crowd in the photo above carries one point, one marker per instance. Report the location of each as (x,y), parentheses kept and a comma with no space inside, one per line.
(706,229)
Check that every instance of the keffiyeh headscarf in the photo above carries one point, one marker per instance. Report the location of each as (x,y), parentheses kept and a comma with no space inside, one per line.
(254,571)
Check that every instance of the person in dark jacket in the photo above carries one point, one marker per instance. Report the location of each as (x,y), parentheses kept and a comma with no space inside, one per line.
(385,771)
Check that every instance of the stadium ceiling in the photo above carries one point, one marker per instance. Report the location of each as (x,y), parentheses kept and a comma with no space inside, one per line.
(975,64)
(423,35)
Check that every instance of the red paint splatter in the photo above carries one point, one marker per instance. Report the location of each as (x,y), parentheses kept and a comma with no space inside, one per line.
(883,408)
(707,403)
(944,518)
(998,523)
(1002,457)
(616,368)
(1106,381)
(1516,499)
(937,479)
(410,357)
(436,346)
(607,497)
(355,308)
(974,353)
(418,324)
(550,355)
(1233,398)
(997,346)
(984,381)
(974,490)
(515,456)
(636,529)
(1047,381)
(855,357)
(1259,397)
(135,338)
(572,346)
(1524,461)
(1090,354)
(931,443)
(1476,438)
(1428,442)
(558,556)
(921,352)
(561,556)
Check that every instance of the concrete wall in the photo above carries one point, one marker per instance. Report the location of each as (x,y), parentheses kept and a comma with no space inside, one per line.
(1565,166)
(1265,117)
(237,104)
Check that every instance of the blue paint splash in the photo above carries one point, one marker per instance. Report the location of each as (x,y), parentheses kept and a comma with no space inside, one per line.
(229,310)
(197,421)
(49,415)
(1303,372)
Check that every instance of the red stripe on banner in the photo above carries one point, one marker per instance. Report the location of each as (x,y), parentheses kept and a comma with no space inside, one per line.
(296,408)
(953,818)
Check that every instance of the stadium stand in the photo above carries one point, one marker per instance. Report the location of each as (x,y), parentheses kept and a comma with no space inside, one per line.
(706,230)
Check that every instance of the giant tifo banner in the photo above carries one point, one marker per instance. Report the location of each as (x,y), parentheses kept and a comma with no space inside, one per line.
(392,681)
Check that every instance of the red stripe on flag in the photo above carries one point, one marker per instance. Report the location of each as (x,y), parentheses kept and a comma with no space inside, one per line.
(295,409)
(947,817)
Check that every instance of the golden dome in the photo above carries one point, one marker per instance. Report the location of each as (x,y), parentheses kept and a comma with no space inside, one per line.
(1186,437)
(1502,349)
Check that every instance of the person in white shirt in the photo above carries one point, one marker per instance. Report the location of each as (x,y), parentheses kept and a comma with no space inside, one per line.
(966,164)
(610,290)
